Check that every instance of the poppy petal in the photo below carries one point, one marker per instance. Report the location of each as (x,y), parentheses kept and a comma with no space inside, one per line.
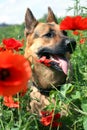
(9,102)
(19,73)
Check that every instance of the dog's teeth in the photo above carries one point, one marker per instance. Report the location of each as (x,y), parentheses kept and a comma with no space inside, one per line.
(51,58)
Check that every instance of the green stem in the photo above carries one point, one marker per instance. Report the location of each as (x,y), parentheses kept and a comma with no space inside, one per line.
(2,126)
(30,121)
(19,112)
(76,108)
(1,109)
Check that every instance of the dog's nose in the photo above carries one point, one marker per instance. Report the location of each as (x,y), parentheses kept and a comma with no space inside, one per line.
(70,44)
(68,41)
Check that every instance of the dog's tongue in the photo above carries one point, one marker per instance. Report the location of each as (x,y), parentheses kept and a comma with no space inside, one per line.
(61,62)
(64,66)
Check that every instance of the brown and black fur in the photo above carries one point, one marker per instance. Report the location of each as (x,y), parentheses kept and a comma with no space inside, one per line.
(45,39)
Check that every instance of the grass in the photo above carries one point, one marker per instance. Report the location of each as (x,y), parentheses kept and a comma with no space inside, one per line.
(14,31)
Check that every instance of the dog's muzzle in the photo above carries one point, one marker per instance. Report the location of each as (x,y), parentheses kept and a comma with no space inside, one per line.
(57,55)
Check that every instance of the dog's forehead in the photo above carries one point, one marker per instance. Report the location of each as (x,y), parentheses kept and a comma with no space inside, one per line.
(46,27)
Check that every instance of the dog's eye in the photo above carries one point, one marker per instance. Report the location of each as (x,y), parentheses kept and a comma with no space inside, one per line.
(50,34)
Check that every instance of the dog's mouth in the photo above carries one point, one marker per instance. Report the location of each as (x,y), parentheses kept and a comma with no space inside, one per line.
(53,60)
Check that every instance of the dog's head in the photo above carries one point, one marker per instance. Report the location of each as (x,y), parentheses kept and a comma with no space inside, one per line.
(46,39)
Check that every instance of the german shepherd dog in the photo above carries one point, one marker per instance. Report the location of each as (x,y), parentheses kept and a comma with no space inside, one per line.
(46,40)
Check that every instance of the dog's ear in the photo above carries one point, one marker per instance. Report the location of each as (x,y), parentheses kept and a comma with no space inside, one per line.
(30,21)
(51,17)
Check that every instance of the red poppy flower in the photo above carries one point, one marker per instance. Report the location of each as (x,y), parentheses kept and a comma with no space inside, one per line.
(76,32)
(15,72)
(74,23)
(9,102)
(2,49)
(12,43)
(49,118)
(82,40)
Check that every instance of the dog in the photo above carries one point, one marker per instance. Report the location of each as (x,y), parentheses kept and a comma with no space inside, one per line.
(48,41)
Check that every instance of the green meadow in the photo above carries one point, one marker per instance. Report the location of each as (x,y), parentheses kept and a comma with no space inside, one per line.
(12,31)
(72,97)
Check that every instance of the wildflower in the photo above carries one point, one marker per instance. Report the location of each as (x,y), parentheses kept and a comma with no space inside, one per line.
(9,102)
(15,72)
(12,43)
(2,48)
(74,23)
(82,40)
(48,118)
(76,32)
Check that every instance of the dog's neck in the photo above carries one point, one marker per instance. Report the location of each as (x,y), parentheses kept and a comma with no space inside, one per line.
(45,92)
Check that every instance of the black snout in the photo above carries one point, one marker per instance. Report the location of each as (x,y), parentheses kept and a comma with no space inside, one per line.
(70,44)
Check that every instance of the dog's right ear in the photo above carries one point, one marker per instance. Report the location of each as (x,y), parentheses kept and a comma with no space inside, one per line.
(30,22)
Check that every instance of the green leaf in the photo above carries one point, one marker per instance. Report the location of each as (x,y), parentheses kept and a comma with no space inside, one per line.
(15,129)
(66,89)
(77,95)
(85,76)
(85,123)
(84,107)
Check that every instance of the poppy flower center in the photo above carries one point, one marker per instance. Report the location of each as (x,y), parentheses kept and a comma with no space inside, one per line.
(4,74)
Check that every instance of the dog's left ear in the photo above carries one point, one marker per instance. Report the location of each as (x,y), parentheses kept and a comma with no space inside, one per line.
(51,16)
(30,22)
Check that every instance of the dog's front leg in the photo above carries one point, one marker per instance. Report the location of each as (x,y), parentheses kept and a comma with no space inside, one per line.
(38,101)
